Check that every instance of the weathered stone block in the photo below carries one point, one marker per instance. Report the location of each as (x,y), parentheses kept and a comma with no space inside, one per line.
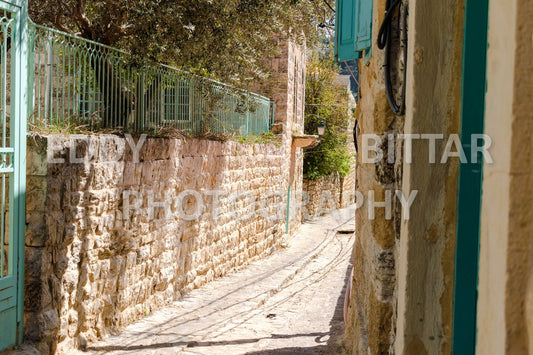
(36,164)
(111,148)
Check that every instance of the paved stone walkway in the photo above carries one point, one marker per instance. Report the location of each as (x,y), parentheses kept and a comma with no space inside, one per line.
(288,303)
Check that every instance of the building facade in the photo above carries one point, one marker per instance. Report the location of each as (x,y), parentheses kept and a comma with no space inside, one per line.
(466,74)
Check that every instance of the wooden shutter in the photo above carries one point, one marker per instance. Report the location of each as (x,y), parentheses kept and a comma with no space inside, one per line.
(353,28)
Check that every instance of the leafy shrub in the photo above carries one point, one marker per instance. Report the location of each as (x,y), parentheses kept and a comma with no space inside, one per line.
(328,100)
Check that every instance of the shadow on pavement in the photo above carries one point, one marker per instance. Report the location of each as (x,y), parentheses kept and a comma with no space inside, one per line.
(332,346)
(336,332)
(192,344)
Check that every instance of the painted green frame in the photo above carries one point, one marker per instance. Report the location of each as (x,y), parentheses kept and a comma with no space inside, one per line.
(470,178)
(18,131)
(18,137)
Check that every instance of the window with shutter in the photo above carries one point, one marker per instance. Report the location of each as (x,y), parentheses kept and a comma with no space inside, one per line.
(353,28)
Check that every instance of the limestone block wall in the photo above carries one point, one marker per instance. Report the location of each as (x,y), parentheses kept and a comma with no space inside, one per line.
(321,195)
(372,310)
(347,187)
(328,193)
(113,236)
(287,89)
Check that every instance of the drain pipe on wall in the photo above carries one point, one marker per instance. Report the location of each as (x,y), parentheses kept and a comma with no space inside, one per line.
(288,209)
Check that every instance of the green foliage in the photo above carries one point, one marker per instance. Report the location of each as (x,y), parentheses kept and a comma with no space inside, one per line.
(228,40)
(328,100)
(263,138)
(74,125)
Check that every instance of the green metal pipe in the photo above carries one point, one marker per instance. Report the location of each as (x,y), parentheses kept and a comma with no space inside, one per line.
(288,210)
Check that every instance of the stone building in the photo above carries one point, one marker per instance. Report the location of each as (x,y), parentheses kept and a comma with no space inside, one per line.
(457,274)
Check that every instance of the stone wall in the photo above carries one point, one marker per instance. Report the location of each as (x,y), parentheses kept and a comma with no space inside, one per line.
(347,190)
(372,310)
(111,239)
(328,193)
(287,88)
(113,235)
(321,195)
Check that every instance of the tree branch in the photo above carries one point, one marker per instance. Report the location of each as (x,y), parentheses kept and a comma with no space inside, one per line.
(114,21)
(58,24)
(82,20)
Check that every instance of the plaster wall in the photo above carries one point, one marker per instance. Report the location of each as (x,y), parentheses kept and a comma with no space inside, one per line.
(403,269)
(505,303)
(427,243)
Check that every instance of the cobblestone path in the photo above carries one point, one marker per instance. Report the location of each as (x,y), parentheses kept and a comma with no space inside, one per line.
(288,303)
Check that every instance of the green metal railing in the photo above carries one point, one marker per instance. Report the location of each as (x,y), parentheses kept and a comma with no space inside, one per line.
(85,83)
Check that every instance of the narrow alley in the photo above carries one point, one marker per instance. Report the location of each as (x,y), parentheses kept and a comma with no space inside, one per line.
(338,177)
(288,303)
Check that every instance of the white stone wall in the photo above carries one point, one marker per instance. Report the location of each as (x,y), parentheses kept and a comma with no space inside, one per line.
(111,239)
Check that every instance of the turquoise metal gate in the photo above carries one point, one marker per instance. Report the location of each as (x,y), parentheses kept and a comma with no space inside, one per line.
(13,117)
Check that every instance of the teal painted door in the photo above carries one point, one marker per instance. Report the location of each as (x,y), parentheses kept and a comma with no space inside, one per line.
(13,117)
